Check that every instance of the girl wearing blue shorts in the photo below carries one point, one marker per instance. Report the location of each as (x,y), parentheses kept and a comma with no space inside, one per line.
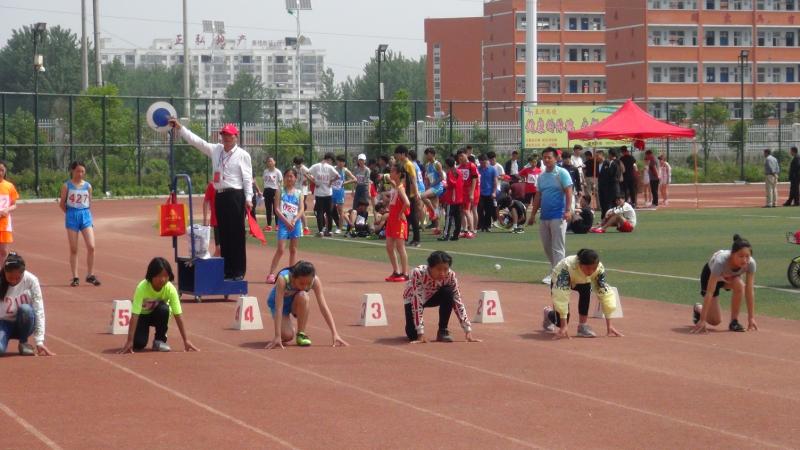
(289,297)
(289,209)
(76,198)
(435,176)
(338,190)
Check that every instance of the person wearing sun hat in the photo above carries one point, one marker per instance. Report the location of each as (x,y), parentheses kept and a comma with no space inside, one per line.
(233,181)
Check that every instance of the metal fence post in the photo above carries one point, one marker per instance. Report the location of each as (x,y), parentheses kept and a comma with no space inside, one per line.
(416,128)
(450,137)
(780,127)
(208,135)
(275,124)
(486,123)
(105,152)
(5,118)
(139,159)
(705,139)
(668,120)
(241,123)
(71,133)
(310,130)
(345,131)
(36,143)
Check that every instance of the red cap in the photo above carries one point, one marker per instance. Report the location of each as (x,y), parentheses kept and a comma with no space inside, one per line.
(229,129)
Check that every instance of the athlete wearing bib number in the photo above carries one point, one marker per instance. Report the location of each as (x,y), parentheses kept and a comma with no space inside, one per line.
(8,203)
(75,200)
(289,210)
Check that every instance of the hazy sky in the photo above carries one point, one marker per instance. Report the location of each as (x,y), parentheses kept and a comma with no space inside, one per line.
(348,30)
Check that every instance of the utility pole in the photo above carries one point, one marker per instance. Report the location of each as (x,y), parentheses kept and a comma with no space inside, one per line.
(186,65)
(97,67)
(84,50)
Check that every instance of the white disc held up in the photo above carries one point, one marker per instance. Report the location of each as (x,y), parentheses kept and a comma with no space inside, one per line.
(158,115)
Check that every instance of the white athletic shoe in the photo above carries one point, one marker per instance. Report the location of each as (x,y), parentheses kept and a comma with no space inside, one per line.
(337,231)
(584,330)
(547,325)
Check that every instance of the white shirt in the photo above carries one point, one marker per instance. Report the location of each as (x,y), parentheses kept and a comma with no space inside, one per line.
(234,167)
(499,169)
(323,174)
(577,161)
(626,211)
(514,167)
(272,178)
(27,291)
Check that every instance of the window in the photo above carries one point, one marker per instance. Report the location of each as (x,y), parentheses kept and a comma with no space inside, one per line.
(710,39)
(573,23)
(522,22)
(657,75)
(655,37)
(790,38)
(723,75)
(573,54)
(585,23)
(573,86)
(520,53)
(520,85)
(710,75)
(723,38)
(790,74)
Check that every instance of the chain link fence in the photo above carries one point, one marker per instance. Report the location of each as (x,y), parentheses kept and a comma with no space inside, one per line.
(41,134)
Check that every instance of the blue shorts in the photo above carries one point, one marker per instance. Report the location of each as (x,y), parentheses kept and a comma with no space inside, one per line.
(437,189)
(78,219)
(338,196)
(287,303)
(284,234)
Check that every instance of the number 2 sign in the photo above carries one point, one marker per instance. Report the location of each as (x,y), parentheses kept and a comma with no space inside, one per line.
(489,309)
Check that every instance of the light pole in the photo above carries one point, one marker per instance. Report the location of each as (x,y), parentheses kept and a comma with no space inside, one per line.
(38,66)
(294,7)
(742,62)
(212,28)
(380,54)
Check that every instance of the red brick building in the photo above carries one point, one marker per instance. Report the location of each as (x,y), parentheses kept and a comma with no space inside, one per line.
(659,51)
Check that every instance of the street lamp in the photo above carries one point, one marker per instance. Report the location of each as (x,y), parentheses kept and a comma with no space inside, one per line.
(380,54)
(294,7)
(742,62)
(38,66)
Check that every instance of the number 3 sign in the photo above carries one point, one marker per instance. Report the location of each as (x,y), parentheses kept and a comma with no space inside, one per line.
(373,313)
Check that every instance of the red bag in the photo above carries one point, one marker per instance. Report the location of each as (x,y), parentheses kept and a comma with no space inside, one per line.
(172,220)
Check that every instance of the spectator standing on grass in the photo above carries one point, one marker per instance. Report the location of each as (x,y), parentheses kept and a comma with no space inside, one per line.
(363,183)
(607,181)
(511,167)
(725,270)
(794,179)
(488,194)
(574,173)
(323,175)
(554,188)
(302,171)
(469,178)
(628,184)
(289,208)
(453,200)
(590,172)
(771,172)
(665,179)
(272,178)
(652,173)
(233,182)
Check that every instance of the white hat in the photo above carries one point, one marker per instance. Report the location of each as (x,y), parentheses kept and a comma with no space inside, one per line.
(362,157)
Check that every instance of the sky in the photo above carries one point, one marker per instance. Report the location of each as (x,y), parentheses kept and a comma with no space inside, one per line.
(348,30)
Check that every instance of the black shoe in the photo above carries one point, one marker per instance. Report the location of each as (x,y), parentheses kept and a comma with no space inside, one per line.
(91,279)
(75,282)
(413,244)
(454,238)
(443,336)
(736,326)
(443,238)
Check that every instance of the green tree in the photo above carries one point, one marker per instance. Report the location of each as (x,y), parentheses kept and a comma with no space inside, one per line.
(397,118)
(156,81)
(763,111)
(332,108)
(677,114)
(397,73)
(20,131)
(292,142)
(249,88)
(62,60)
(714,113)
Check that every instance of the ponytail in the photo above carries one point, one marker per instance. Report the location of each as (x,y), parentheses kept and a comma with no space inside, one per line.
(13,262)
(740,243)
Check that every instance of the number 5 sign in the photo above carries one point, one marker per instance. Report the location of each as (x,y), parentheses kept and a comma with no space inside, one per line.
(120,317)
(489,309)
(373,313)
(247,315)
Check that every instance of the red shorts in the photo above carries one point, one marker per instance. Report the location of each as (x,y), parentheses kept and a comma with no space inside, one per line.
(372,191)
(476,198)
(625,227)
(397,229)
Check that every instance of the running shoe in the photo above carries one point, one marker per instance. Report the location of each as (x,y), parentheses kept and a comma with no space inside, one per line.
(161,346)
(584,330)
(547,280)
(547,325)
(698,308)
(75,282)
(306,232)
(302,339)
(736,326)
(268,228)
(392,277)
(443,336)
(518,230)
(91,279)
(26,349)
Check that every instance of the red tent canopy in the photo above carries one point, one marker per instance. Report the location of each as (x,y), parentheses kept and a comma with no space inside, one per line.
(630,122)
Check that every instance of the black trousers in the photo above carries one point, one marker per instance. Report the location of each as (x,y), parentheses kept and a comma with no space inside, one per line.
(794,193)
(605,196)
(413,222)
(485,212)
(159,319)
(654,191)
(443,298)
(453,225)
(230,221)
(584,295)
(269,204)
(628,186)
(322,210)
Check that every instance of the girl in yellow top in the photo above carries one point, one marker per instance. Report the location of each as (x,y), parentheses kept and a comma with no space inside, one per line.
(583,273)
(8,203)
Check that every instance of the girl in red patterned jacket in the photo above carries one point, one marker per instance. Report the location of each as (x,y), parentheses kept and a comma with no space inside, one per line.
(434,284)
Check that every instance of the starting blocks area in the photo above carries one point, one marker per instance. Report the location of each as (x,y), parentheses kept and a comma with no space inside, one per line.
(373,311)
(489,309)
(247,315)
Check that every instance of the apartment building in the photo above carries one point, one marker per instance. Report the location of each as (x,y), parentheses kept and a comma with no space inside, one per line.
(215,67)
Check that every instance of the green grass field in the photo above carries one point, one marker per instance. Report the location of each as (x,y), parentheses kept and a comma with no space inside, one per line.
(666,252)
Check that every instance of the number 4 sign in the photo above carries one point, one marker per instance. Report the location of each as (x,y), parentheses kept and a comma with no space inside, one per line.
(489,309)
(120,317)
(247,315)
(373,313)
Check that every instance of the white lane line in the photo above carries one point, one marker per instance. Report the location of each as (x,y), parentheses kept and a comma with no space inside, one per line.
(583,396)
(28,426)
(261,354)
(178,394)
(505,258)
